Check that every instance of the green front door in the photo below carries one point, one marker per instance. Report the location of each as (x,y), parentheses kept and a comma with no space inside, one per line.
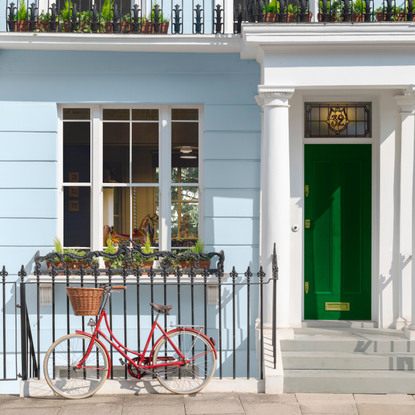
(337,271)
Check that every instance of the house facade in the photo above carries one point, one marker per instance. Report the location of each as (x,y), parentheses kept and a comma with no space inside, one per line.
(300,134)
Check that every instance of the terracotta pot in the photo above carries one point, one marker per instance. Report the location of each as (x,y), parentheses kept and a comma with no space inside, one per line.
(270,17)
(329,18)
(202,264)
(358,17)
(125,27)
(381,17)
(44,26)
(144,265)
(148,28)
(292,18)
(72,265)
(22,26)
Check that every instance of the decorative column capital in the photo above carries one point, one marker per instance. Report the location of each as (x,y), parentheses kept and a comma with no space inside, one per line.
(275,96)
(407,101)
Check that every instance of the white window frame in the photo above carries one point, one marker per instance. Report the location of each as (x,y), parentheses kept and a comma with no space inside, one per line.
(96,175)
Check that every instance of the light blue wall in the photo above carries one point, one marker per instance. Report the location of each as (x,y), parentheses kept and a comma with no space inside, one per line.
(35,82)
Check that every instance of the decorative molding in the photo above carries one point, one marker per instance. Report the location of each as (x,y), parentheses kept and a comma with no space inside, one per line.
(275,96)
(259,100)
(407,101)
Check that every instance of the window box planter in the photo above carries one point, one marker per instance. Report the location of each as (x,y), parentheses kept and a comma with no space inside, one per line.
(295,18)
(381,17)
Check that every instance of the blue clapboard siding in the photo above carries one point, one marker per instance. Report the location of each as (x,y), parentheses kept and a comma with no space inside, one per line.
(28,116)
(230,145)
(19,203)
(231,203)
(24,146)
(235,174)
(223,83)
(25,175)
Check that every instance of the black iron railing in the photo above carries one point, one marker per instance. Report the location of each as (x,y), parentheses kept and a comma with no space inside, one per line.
(104,16)
(188,290)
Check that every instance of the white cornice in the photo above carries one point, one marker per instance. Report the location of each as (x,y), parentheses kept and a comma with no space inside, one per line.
(297,36)
(122,42)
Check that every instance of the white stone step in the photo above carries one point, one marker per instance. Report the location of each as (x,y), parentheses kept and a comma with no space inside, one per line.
(349,381)
(347,361)
(352,324)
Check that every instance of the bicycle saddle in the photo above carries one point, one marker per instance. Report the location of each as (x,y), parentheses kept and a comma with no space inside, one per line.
(161,308)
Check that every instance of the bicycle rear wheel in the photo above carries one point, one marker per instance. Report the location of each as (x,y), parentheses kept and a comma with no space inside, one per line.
(196,373)
(60,369)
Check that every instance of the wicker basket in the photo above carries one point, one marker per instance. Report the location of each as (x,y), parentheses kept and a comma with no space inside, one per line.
(85,301)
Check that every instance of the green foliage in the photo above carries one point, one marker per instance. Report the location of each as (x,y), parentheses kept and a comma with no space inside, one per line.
(151,16)
(65,12)
(57,243)
(199,246)
(106,10)
(22,11)
(359,6)
(273,7)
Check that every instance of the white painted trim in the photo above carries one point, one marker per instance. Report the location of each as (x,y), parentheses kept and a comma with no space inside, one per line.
(97,185)
(374,141)
(122,42)
(38,387)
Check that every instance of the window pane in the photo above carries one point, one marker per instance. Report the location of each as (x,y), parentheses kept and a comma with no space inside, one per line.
(184,216)
(77,216)
(145,152)
(116,152)
(76,114)
(185,151)
(76,152)
(145,115)
(116,115)
(184,114)
(143,217)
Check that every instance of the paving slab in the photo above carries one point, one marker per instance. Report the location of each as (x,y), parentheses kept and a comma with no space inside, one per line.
(385,409)
(328,407)
(31,403)
(261,398)
(213,403)
(32,411)
(154,410)
(272,409)
(306,397)
(98,399)
(93,409)
(153,400)
(385,399)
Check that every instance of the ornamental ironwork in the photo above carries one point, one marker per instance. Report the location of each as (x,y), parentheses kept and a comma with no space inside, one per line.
(338,120)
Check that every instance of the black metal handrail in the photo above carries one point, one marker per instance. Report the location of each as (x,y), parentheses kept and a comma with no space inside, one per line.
(103,16)
(132,278)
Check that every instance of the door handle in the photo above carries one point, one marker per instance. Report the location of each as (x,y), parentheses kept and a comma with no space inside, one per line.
(307,223)
(306,287)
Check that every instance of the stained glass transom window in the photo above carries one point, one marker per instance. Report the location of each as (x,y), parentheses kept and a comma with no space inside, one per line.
(334,119)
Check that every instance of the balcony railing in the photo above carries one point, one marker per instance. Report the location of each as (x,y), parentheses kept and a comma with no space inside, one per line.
(196,17)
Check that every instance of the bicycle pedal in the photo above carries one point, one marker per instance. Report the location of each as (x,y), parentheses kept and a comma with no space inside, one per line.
(122,362)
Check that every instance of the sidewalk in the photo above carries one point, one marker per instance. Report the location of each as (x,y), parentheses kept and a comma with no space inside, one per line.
(209,404)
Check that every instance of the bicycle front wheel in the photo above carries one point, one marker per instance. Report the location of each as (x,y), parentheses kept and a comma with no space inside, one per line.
(199,358)
(62,374)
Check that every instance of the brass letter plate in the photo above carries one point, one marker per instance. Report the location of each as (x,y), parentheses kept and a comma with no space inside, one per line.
(337,306)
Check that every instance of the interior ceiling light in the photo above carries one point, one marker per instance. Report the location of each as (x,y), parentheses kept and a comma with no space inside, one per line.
(188,157)
(186,149)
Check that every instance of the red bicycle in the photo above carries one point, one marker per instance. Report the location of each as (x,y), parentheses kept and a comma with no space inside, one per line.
(183,359)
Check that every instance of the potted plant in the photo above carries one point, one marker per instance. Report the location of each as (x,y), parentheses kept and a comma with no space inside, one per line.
(44,21)
(144,262)
(293,14)
(22,23)
(398,14)
(335,10)
(149,25)
(72,263)
(199,248)
(106,14)
(359,9)
(270,11)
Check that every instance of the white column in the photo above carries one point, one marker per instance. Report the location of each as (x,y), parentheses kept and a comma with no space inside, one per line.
(406,269)
(275,191)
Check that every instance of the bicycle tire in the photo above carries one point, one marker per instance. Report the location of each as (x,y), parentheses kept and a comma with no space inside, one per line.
(192,377)
(75,383)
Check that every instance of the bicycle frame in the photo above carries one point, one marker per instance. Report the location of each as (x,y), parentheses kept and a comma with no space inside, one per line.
(120,347)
